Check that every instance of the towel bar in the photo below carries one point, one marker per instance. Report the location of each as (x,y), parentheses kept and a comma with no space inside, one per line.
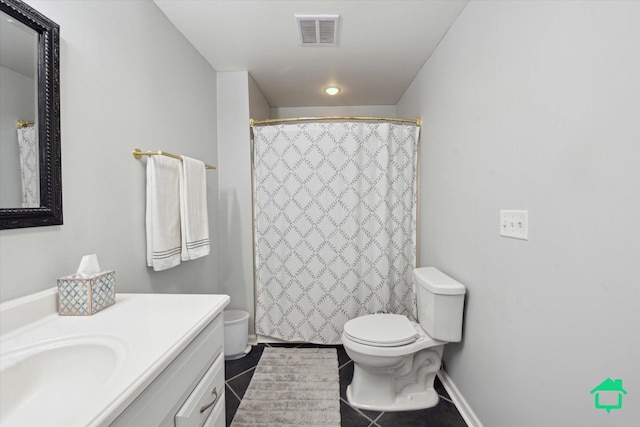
(137,154)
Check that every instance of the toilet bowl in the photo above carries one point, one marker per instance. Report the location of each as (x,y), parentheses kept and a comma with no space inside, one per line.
(396,359)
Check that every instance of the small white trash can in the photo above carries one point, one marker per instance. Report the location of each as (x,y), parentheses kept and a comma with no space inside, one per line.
(236,334)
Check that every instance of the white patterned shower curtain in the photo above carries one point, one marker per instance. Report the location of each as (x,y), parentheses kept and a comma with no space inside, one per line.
(28,147)
(335,225)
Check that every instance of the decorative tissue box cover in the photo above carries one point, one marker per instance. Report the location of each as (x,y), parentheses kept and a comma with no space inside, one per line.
(83,297)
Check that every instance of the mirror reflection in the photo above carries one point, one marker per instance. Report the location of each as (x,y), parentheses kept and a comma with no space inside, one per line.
(19,163)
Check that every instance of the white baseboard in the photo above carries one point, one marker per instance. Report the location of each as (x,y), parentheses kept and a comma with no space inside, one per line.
(463,407)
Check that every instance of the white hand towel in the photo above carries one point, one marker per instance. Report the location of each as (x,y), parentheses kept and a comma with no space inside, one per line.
(163,212)
(194,216)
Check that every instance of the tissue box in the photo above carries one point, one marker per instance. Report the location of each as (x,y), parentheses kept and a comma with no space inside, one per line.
(84,297)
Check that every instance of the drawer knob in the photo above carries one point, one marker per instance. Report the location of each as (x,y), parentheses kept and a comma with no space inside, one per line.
(210,404)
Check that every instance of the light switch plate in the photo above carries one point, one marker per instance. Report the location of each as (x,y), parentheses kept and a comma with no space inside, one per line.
(515,224)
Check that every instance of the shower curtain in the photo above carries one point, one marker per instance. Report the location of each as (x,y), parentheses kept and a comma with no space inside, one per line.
(28,147)
(335,225)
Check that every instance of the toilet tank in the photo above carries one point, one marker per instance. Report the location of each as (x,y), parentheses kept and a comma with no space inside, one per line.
(440,304)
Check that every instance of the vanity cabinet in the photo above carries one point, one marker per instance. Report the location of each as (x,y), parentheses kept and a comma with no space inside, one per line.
(190,391)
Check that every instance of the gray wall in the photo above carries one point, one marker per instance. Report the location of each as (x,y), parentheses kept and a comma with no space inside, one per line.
(536,105)
(340,110)
(239,99)
(128,79)
(236,255)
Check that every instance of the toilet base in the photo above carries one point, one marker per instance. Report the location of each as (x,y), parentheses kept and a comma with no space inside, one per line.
(406,385)
(405,402)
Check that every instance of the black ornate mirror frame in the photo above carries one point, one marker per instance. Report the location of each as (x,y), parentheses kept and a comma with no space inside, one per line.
(50,210)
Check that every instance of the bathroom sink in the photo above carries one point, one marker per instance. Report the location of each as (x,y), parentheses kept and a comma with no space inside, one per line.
(49,382)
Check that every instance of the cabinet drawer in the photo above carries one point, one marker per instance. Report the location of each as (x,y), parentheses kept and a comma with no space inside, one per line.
(158,404)
(207,393)
(217,417)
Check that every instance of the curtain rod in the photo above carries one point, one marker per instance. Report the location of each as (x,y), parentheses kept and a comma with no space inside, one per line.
(254,123)
(137,153)
(24,123)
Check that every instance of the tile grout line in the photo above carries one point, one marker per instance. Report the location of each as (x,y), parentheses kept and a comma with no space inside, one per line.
(445,398)
(377,418)
(240,374)
(360,412)
(233,391)
(345,364)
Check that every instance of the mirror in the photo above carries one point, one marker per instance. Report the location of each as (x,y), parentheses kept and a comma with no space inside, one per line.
(30,163)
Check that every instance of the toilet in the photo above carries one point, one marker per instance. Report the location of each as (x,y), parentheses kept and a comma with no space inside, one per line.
(395,359)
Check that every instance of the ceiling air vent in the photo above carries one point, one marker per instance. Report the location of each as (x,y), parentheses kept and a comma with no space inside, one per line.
(318,30)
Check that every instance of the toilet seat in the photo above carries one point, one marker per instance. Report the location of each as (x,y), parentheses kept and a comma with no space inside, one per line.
(381,330)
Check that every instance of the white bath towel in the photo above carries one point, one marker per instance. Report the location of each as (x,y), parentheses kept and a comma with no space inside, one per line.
(194,218)
(163,212)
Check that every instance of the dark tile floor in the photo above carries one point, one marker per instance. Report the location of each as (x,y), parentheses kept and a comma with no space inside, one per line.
(238,374)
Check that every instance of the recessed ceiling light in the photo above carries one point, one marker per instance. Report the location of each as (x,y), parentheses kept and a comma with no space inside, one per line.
(332,90)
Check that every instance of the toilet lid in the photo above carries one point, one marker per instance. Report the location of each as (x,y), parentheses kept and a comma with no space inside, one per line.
(383,330)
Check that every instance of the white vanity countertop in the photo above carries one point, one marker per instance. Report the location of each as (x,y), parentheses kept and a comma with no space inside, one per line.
(150,330)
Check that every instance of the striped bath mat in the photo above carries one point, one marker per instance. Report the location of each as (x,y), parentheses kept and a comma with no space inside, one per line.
(292,386)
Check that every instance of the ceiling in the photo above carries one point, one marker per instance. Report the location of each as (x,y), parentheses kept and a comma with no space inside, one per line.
(381,45)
